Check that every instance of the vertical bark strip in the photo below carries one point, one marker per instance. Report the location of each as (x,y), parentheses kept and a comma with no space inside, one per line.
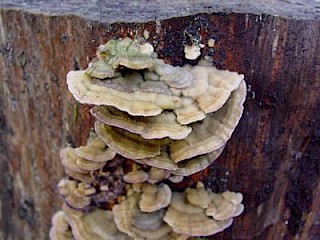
(273,156)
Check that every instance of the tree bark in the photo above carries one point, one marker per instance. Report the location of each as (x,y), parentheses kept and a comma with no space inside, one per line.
(272,158)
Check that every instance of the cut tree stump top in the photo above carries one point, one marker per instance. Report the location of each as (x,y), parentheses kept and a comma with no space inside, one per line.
(144,10)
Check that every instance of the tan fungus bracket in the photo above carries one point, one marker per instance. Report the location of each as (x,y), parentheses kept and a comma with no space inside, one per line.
(175,121)
(214,131)
(154,197)
(74,193)
(160,126)
(199,212)
(136,175)
(60,229)
(95,150)
(207,136)
(97,224)
(138,225)
(191,92)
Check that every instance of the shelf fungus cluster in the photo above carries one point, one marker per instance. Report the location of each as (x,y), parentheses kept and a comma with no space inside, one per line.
(168,123)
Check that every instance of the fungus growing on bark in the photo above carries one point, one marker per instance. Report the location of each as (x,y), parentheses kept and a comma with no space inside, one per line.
(191,92)
(176,179)
(197,164)
(95,150)
(192,52)
(127,52)
(127,144)
(162,161)
(154,197)
(175,77)
(213,132)
(157,175)
(175,121)
(60,229)
(187,212)
(69,160)
(224,206)
(198,196)
(83,177)
(73,193)
(136,176)
(93,91)
(97,224)
(161,126)
(132,221)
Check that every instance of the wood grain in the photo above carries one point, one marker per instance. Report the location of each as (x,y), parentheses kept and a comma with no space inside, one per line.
(273,156)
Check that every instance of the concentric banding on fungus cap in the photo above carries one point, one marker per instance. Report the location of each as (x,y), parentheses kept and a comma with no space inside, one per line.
(226,205)
(136,175)
(213,132)
(88,90)
(95,150)
(188,212)
(157,127)
(71,161)
(137,224)
(73,193)
(154,197)
(207,136)
(126,52)
(97,224)
(60,229)
(156,175)
(191,92)
(128,144)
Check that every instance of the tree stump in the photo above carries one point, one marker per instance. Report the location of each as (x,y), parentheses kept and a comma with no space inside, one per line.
(273,157)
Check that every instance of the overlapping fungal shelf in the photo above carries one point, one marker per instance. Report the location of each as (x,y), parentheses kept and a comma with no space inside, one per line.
(168,123)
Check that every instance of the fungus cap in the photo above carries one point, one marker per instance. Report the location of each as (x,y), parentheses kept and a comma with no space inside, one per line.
(213,132)
(87,165)
(196,164)
(95,150)
(87,90)
(69,160)
(136,176)
(157,174)
(191,220)
(83,177)
(198,196)
(73,194)
(224,206)
(60,227)
(127,144)
(127,210)
(154,197)
(160,126)
(162,161)
(97,224)
(100,69)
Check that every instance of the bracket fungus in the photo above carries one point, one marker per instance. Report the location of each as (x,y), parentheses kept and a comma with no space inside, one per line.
(154,197)
(187,212)
(97,224)
(74,193)
(167,123)
(136,175)
(60,229)
(157,175)
(95,150)
(160,126)
(132,221)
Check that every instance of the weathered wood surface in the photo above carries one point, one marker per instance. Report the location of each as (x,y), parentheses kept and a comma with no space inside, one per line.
(113,11)
(273,156)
